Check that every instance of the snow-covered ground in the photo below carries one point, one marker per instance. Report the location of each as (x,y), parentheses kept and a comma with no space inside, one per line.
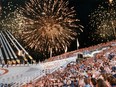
(25,73)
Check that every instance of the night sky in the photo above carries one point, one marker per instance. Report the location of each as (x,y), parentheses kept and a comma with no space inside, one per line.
(83,9)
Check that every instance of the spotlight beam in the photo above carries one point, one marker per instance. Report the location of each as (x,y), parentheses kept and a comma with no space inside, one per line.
(1,56)
(6,54)
(11,50)
(20,45)
(14,44)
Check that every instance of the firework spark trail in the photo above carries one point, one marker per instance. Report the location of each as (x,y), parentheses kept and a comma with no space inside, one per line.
(7,19)
(46,24)
(52,24)
(13,21)
(104,21)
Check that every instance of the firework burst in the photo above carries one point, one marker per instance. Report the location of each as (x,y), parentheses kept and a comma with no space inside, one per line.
(103,20)
(8,16)
(46,24)
(14,22)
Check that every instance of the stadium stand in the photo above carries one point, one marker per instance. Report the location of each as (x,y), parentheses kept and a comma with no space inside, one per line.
(92,66)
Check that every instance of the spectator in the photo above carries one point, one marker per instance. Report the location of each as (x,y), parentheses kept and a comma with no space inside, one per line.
(101,83)
(94,82)
(87,82)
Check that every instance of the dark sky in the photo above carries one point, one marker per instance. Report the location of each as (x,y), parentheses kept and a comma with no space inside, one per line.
(83,9)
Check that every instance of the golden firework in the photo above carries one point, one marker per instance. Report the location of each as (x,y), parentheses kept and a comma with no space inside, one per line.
(46,24)
(103,20)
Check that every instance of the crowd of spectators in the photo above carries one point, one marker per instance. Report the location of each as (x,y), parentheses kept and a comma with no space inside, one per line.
(98,71)
(91,48)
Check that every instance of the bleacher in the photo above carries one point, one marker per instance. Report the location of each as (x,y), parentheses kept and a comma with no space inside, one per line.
(20,74)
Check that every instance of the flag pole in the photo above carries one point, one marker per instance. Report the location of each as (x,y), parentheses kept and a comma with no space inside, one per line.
(66,49)
(50,52)
(77,43)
